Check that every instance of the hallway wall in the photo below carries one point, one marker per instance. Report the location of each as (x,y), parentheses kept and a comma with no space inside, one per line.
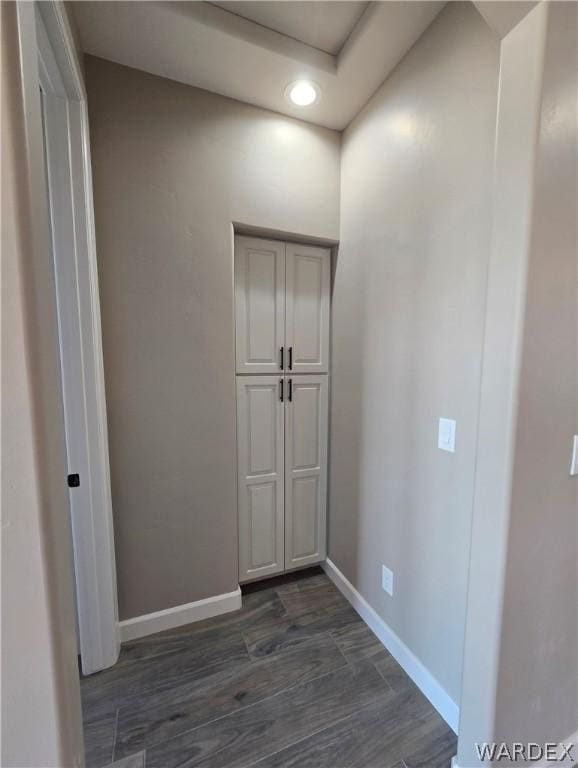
(173,168)
(41,720)
(538,697)
(518,683)
(408,316)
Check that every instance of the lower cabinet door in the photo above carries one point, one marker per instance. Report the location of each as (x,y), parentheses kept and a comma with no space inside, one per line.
(260,427)
(305,469)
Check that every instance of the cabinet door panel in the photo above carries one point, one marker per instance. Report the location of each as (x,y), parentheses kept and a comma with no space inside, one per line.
(307,275)
(260,449)
(259,304)
(305,518)
(305,471)
(262,507)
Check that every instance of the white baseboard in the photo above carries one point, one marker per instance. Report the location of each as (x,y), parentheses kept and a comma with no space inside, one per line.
(141,626)
(421,676)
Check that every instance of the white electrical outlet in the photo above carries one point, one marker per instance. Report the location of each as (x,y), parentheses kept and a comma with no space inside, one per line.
(387,580)
(447,435)
(574,460)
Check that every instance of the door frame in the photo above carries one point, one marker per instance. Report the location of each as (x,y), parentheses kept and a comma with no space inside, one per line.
(51,64)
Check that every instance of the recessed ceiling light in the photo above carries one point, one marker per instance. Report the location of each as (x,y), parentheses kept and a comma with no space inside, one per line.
(302,93)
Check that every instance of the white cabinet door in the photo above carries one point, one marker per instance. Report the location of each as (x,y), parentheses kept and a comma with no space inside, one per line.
(260,450)
(259,304)
(307,279)
(305,469)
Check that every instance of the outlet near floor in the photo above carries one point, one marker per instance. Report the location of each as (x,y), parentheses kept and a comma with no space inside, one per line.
(387,580)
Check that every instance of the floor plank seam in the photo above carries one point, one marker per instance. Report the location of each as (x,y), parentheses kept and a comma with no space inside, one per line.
(349,664)
(379,672)
(243,709)
(311,735)
(303,644)
(124,663)
(162,654)
(246,645)
(114,734)
(162,686)
(288,616)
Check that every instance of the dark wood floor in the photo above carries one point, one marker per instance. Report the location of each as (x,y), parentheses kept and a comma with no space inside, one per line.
(294,678)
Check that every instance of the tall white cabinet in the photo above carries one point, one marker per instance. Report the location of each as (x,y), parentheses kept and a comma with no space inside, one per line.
(282,362)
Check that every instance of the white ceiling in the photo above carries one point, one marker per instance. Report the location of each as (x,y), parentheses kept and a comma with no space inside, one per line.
(323,25)
(253,59)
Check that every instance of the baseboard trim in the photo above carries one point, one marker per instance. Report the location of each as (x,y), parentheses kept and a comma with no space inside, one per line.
(424,680)
(141,626)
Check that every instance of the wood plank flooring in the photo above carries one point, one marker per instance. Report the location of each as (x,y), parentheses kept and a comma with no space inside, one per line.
(294,679)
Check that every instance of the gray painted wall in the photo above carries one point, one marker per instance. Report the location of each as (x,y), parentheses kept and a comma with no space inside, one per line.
(173,168)
(521,56)
(519,681)
(538,673)
(41,719)
(408,314)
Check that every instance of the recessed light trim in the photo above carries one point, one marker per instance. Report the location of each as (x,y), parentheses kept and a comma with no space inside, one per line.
(303,93)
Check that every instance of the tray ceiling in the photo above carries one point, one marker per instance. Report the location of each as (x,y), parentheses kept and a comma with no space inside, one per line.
(322,25)
(251,51)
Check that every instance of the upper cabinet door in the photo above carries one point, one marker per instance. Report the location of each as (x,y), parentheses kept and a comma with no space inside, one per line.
(260,304)
(307,275)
